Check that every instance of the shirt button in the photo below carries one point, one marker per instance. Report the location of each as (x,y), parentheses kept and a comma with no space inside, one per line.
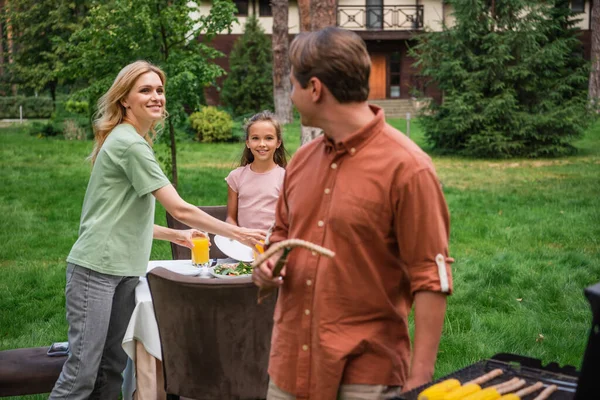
(314,253)
(333,166)
(321,223)
(308,282)
(307,312)
(327,191)
(305,347)
(352,150)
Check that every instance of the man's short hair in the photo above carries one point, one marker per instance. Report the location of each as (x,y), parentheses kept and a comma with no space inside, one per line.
(338,58)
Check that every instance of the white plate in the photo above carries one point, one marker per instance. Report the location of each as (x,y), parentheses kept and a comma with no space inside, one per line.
(189,270)
(219,276)
(234,249)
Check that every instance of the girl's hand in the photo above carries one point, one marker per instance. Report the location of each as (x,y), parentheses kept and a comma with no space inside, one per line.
(184,237)
(251,237)
(262,276)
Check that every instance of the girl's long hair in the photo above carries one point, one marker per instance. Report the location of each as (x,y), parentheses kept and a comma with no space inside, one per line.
(280,155)
(111,112)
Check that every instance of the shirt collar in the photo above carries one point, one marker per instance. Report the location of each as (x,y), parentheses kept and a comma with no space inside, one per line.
(358,139)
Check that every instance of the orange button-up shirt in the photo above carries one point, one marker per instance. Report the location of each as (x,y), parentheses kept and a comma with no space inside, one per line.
(375,200)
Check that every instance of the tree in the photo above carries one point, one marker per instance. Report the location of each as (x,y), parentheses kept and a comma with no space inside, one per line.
(594,85)
(304,11)
(322,14)
(281,62)
(165,32)
(513,78)
(248,87)
(40,28)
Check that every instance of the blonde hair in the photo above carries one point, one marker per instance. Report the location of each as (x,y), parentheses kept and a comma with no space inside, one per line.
(111,111)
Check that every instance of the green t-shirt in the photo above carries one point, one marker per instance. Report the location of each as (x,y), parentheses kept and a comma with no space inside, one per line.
(115,235)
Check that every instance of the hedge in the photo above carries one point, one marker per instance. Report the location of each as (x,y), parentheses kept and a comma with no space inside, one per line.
(33,107)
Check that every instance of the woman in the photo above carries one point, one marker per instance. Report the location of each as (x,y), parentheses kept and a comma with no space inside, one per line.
(116,232)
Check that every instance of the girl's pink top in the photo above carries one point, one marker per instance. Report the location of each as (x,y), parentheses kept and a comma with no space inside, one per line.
(257,195)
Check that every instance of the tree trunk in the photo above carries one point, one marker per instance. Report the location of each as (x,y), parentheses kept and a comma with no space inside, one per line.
(281,62)
(10,44)
(173,148)
(304,11)
(322,14)
(1,50)
(309,133)
(172,143)
(594,85)
(52,87)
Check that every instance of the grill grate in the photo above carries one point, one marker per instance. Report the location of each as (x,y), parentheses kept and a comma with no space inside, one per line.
(566,380)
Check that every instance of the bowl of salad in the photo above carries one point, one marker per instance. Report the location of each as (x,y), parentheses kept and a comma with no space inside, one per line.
(231,271)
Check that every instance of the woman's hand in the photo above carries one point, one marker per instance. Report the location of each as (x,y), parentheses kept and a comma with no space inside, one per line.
(251,237)
(262,276)
(184,237)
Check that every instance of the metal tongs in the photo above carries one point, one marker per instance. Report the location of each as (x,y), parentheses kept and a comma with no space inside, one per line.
(286,246)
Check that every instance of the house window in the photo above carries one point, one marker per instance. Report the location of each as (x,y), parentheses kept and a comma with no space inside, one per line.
(264,8)
(395,60)
(578,6)
(242,7)
(374,14)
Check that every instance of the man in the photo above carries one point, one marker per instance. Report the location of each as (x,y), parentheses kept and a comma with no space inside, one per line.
(367,192)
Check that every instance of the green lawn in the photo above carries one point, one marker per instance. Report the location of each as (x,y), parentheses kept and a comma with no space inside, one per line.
(525,236)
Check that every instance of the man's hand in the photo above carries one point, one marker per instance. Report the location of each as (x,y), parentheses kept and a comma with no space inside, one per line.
(262,276)
(415,381)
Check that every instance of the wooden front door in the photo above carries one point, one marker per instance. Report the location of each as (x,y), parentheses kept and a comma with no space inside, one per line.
(378,79)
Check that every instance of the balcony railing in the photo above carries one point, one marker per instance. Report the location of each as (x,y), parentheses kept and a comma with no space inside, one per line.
(393,18)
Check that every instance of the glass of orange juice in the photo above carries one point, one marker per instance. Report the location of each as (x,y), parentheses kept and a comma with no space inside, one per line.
(200,251)
(258,249)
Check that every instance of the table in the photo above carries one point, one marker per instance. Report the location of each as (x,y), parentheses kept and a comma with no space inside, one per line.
(142,341)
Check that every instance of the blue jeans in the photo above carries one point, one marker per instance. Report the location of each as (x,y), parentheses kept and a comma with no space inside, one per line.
(99,307)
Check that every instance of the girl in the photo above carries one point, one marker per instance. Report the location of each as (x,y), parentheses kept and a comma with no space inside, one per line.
(116,231)
(254,187)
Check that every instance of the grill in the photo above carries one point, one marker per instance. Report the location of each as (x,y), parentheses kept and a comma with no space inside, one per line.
(517,366)
(572,384)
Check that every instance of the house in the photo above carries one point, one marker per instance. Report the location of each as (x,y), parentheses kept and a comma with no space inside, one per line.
(388,28)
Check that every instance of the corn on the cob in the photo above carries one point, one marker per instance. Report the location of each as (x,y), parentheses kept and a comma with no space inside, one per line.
(461,392)
(440,390)
(471,386)
(484,394)
(437,391)
(510,396)
(494,393)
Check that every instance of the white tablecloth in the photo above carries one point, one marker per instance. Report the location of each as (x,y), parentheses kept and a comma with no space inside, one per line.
(142,325)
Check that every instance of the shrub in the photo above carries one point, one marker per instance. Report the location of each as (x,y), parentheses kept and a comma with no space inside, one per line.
(72,130)
(75,111)
(77,107)
(48,129)
(212,125)
(33,107)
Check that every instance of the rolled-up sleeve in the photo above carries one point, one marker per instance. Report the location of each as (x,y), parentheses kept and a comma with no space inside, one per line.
(233,180)
(423,228)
